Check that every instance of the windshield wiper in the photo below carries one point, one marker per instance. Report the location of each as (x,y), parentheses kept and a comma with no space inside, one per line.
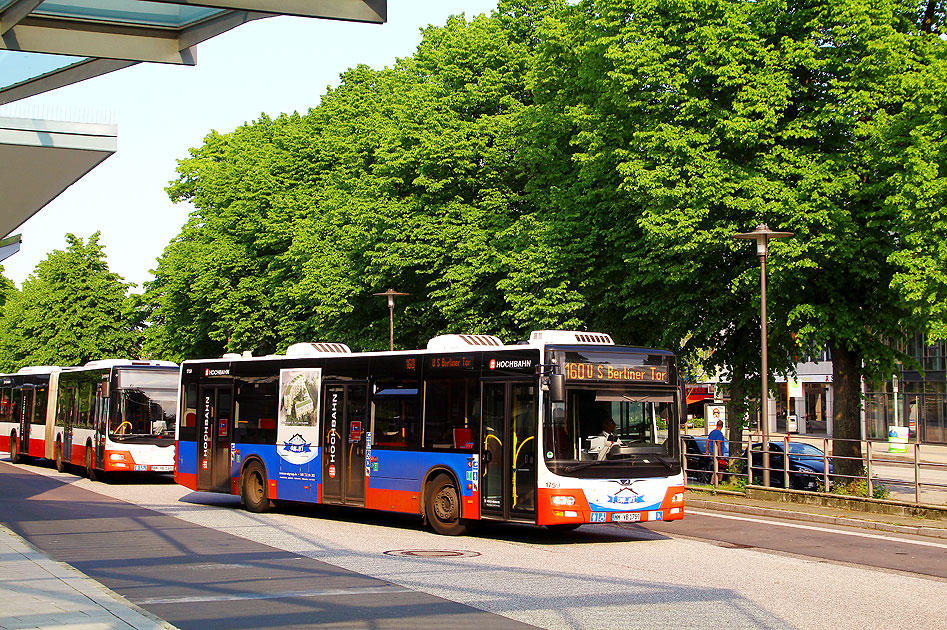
(583,465)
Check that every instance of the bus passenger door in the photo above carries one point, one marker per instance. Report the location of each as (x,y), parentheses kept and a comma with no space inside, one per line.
(23,398)
(213,437)
(508,451)
(344,426)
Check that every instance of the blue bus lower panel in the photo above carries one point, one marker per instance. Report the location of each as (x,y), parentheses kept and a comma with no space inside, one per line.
(394,478)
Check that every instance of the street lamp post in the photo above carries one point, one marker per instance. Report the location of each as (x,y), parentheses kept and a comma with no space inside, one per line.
(390,294)
(762,235)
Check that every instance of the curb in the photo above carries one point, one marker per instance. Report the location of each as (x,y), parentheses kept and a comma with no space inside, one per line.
(124,610)
(931,532)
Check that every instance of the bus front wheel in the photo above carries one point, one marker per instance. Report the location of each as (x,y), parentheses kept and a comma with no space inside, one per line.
(442,507)
(253,489)
(90,471)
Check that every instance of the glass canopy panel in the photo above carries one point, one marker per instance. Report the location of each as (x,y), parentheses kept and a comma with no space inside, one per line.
(16,66)
(127,12)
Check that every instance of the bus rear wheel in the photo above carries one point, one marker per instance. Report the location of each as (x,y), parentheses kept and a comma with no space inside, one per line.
(442,507)
(253,489)
(15,456)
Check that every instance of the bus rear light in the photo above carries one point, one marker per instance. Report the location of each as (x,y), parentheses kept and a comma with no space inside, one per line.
(561,499)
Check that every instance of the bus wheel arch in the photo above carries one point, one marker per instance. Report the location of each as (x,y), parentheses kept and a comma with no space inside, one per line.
(443,503)
(254,486)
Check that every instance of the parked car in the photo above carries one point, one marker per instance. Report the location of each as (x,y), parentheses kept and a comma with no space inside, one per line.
(806,465)
(699,464)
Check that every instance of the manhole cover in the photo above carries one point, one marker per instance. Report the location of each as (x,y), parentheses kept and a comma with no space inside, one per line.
(432,553)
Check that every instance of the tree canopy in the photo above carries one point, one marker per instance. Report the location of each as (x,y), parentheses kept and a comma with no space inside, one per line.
(71,310)
(587,164)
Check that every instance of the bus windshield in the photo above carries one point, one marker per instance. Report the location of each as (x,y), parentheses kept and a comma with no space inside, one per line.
(144,405)
(610,427)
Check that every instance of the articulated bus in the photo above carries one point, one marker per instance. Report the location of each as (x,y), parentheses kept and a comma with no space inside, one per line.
(105,416)
(468,429)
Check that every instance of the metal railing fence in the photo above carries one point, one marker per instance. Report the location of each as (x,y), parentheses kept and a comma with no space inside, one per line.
(917,476)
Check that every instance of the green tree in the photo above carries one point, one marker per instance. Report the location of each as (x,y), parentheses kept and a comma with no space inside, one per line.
(675,125)
(402,177)
(71,310)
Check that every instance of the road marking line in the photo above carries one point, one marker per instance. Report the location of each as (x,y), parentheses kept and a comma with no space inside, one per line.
(281,595)
(829,530)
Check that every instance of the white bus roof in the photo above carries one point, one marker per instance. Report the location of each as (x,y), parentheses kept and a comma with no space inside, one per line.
(110,363)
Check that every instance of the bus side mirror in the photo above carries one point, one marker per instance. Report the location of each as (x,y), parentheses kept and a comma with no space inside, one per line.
(557,388)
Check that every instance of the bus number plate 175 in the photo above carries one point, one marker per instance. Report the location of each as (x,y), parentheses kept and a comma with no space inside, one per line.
(626,516)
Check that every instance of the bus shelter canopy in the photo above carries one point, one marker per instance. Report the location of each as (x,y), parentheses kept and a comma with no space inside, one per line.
(47,44)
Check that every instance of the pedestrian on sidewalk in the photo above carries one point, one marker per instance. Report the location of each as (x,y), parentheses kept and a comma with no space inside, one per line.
(714,450)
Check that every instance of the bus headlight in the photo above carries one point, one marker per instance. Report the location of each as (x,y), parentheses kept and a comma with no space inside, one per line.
(117,457)
(559,499)
(678,498)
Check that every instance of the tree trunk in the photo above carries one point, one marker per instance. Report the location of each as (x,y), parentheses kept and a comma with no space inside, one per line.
(846,414)
(736,412)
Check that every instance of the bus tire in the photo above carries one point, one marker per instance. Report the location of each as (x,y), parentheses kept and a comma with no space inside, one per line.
(253,488)
(442,507)
(90,471)
(60,464)
(15,456)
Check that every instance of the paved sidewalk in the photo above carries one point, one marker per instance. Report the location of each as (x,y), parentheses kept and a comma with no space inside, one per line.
(727,502)
(38,592)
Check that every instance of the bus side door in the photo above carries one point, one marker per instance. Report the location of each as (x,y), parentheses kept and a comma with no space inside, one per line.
(508,451)
(214,415)
(344,427)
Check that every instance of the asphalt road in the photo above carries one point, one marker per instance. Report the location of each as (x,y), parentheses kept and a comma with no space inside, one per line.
(709,569)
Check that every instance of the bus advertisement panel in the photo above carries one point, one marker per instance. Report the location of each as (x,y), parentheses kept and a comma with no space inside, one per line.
(563,430)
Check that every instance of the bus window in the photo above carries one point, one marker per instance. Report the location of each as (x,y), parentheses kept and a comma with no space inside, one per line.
(451,414)
(396,417)
(255,411)
(39,405)
(66,406)
(86,396)
(187,429)
(6,404)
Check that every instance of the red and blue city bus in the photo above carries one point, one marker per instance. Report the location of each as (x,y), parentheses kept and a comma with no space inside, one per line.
(469,429)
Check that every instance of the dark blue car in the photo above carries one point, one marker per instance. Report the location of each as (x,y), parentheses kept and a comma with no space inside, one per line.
(699,464)
(806,465)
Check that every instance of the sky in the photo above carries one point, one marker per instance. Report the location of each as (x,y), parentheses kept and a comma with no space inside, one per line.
(270,66)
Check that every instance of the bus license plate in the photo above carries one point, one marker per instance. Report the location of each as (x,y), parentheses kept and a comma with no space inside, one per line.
(162,468)
(626,516)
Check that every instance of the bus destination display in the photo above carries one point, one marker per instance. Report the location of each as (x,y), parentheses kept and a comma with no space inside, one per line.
(614,372)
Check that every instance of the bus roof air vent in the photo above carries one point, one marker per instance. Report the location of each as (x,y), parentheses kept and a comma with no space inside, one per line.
(39,369)
(568,337)
(315,349)
(110,363)
(447,343)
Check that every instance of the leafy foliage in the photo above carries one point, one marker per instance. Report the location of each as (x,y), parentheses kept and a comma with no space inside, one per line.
(71,310)
(587,165)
